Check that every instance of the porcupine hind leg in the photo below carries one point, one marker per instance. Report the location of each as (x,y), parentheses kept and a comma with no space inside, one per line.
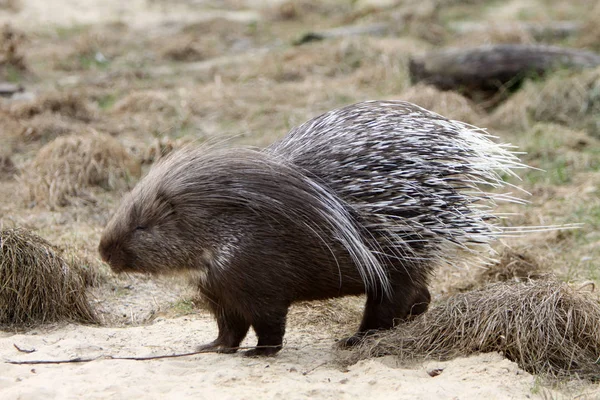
(232,330)
(381,312)
(270,329)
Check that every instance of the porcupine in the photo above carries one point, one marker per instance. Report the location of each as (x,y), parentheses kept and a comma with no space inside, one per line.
(366,199)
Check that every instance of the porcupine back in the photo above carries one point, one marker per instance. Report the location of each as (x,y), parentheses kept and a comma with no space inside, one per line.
(415,180)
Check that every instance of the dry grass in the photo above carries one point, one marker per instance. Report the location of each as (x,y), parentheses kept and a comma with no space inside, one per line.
(65,167)
(89,47)
(47,126)
(572,100)
(545,326)
(449,104)
(146,102)
(11,5)
(334,316)
(7,167)
(160,147)
(495,33)
(292,10)
(185,49)
(67,104)
(38,286)
(150,113)
(590,32)
(332,58)
(513,265)
(11,52)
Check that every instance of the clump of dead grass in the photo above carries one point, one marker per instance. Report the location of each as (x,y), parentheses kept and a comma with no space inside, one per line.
(572,100)
(447,103)
(331,58)
(65,167)
(38,286)
(590,31)
(146,101)
(160,147)
(217,36)
(67,104)
(7,167)
(513,265)
(302,10)
(47,126)
(550,146)
(333,315)
(11,5)
(291,10)
(495,33)
(90,47)
(184,49)
(11,55)
(91,271)
(544,325)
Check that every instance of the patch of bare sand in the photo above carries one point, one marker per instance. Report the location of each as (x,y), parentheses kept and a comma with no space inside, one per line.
(305,368)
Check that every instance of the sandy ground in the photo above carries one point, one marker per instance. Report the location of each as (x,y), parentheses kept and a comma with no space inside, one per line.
(305,368)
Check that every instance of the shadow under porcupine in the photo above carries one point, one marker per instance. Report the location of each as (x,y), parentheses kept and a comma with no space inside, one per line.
(369,198)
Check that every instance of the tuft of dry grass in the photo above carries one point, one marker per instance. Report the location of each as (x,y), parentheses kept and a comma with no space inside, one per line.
(11,54)
(11,5)
(495,33)
(7,167)
(160,147)
(291,10)
(333,315)
(333,58)
(513,265)
(38,286)
(184,49)
(590,32)
(65,167)
(47,126)
(146,102)
(67,104)
(572,100)
(545,326)
(447,103)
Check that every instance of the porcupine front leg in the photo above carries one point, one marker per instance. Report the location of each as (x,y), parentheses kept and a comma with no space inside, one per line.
(380,313)
(232,330)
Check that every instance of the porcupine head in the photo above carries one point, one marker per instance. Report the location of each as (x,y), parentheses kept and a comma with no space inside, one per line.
(151,232)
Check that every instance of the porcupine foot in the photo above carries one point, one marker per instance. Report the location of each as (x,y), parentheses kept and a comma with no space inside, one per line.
(232,330)
(270,335)
(380,314)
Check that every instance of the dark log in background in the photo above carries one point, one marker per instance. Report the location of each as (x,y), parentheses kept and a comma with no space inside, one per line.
(493,68)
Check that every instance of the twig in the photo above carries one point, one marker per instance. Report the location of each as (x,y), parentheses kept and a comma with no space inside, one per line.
(134,358)
(23,350)
(72,360)
(312,369)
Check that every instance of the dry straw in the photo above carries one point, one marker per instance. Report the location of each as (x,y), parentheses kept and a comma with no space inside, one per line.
(450,104)
(68,104)
(572,100)
(64,168)
(36,284)
(545,326)
(147,101)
